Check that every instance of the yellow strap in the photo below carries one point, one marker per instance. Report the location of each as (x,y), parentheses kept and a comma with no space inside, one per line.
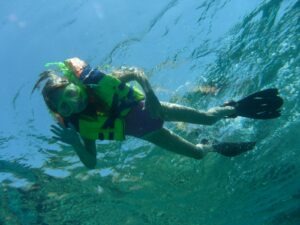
(91,128)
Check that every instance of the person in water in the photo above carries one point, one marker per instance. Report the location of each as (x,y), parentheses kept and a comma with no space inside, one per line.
(91,105)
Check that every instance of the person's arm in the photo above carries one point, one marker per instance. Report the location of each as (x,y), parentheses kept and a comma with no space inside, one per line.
(84,148)
(86,151)
(134,74)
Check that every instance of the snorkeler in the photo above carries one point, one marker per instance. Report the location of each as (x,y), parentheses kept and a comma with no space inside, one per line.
(91,105)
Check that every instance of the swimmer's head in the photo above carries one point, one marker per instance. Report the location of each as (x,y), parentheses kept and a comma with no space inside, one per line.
(61,96)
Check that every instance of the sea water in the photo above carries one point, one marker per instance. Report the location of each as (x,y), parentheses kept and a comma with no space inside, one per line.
(196,53)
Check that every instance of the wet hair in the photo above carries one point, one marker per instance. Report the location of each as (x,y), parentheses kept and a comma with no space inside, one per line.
(53,84)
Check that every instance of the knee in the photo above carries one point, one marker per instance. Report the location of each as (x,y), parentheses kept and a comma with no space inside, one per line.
(211,120)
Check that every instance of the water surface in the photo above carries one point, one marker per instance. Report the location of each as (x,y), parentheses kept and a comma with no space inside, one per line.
(197,53)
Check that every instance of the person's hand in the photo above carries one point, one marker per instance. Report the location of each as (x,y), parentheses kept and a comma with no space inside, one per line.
(76,64)
(153,105)
(66,135)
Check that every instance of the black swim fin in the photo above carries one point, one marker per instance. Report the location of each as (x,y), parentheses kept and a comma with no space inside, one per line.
(231,149)
(263,105)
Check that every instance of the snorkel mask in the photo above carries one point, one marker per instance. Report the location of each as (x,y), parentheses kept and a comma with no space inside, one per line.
(64,69)
(73,97)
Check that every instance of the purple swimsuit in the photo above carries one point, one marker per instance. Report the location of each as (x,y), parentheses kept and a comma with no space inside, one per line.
(138,122)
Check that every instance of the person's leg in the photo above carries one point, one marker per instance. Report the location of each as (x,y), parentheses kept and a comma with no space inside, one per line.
(174,143)
(175,112)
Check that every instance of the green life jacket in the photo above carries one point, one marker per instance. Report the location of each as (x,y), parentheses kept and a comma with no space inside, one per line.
(117,96)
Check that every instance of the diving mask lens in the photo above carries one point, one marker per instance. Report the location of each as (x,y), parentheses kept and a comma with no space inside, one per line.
(71,100)
(65,109)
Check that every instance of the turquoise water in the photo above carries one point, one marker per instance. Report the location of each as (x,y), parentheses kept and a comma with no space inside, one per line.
(197,53)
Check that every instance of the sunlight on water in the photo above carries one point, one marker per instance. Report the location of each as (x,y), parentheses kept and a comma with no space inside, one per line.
(197,53)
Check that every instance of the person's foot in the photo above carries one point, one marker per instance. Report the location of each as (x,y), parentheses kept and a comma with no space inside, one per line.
(231,149)
(222,111)
(205,148)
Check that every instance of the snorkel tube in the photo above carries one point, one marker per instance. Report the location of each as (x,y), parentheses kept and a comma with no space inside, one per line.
(64,69)
(66,72)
